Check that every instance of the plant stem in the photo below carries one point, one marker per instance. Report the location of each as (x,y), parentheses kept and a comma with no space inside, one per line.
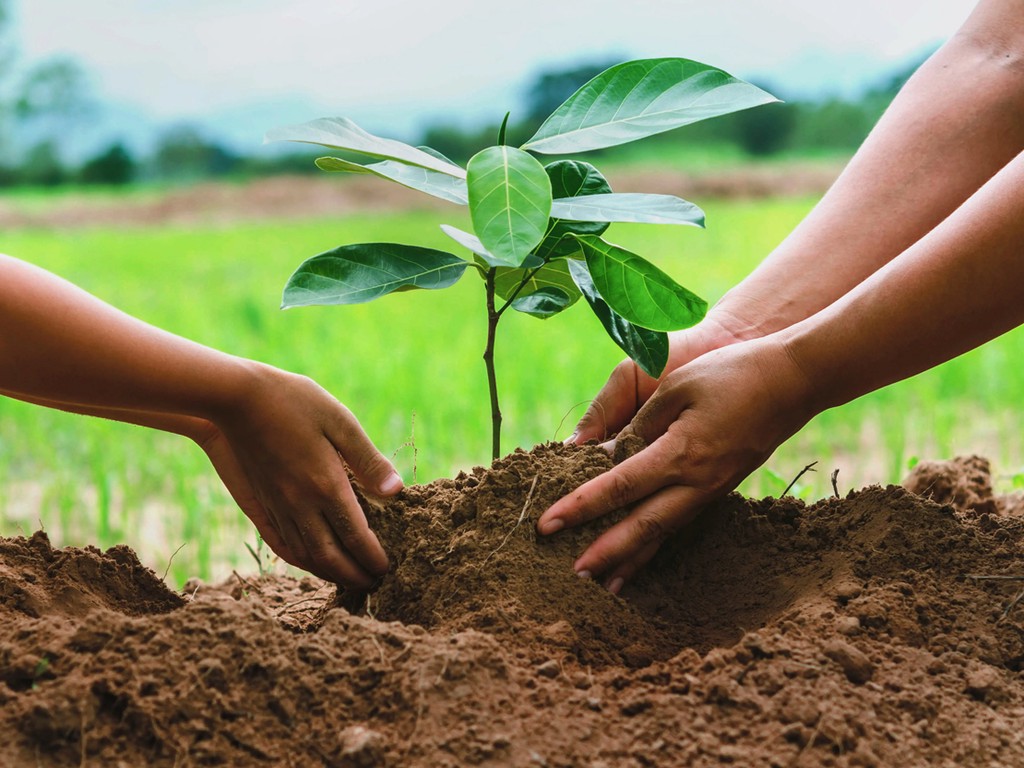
(493,316)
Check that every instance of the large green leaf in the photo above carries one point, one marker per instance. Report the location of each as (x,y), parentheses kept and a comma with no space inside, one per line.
(638,290)
(353,274)
(509,202)
(342,133)
(648,348)
(551,280)
(628,206)
(641,98)
(412,176)
(572,179)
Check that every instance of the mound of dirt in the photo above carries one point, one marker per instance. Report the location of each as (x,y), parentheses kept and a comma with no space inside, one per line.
(880,629)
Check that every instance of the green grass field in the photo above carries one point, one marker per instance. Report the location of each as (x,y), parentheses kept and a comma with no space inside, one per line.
(410,367)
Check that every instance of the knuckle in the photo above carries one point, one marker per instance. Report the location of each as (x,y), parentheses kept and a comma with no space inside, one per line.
(649,528)
(619,489)
(371,465)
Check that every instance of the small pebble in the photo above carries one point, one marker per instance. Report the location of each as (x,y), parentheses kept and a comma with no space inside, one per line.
(549,669)
(855,664)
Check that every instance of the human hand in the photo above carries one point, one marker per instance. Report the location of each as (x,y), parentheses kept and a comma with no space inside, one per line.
(282,452)
(628,387)
(707,426)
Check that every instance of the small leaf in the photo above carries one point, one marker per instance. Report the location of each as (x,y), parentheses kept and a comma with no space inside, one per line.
(641,98)
(544,302)
(638,290)
(509,202)
(414,177)
(553,276)
(629,206)
(353,274)
(649,349)
(472,243)
(342,133)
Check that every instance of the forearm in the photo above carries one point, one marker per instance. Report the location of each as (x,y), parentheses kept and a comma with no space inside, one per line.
(180,424)
(953,290)
(61,344)
(953,126)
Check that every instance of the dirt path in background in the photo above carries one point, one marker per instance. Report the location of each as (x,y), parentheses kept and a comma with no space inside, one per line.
(296,197)
(876,630)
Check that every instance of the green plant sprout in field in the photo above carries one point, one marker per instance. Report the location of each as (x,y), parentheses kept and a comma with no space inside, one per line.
(537,241)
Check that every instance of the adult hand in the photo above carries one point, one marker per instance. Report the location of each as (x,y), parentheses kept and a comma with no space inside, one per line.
(282,452)
(708,425)
(628,387)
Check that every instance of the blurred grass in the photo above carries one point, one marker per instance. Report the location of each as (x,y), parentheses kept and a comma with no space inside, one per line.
(411,363)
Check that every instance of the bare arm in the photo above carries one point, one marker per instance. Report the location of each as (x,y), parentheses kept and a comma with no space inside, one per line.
(958,120)
(715,420)
(279,441)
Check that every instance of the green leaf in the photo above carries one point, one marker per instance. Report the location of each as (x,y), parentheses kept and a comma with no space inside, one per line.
(414,177)
(648,348)
(509,202)
(353,274)
(629,206)
(342,133)
(472,243)
(552,277)
(638,290)
(571,179)
(544,303)
(641,98)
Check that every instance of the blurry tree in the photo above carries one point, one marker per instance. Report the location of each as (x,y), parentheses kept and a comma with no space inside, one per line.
(36,107)
(767,130)
(43,166)
(551,87)
(114,166)
(184,153)
(57,87)
(460,144)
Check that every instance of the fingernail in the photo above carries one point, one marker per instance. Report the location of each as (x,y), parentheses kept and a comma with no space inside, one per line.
(571,438)
(392,485)
(552,526)
(616,585)
(583,574)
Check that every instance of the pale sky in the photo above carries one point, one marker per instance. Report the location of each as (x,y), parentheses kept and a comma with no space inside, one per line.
(403,62)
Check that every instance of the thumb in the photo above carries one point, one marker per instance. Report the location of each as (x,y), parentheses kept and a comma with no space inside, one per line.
(371,468)
(613,407)
(661,410)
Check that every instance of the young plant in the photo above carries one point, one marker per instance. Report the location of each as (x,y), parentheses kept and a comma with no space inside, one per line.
(537,229)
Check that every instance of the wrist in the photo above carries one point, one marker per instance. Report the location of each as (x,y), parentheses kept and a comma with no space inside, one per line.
(239,384)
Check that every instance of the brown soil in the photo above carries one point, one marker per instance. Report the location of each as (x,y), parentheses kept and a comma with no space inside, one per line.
(299,197)
(879,629)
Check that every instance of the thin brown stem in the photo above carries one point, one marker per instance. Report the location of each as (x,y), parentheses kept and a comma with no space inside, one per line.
(493,316)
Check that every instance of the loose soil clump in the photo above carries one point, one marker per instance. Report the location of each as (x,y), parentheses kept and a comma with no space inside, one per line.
(879,629)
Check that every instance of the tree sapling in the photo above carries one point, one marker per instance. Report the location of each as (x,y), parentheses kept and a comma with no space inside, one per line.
(537,229)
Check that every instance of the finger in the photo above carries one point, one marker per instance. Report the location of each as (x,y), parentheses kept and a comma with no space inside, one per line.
(621,575)
(348,522)
(627,546)
(294,551)
(373,471)
(635,478)
(268,531)
(330,561)
(613,407)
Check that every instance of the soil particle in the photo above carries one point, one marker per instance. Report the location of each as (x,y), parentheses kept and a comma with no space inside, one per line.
(865,631)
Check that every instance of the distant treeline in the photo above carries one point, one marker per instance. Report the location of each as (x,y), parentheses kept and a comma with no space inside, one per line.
(54,94)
